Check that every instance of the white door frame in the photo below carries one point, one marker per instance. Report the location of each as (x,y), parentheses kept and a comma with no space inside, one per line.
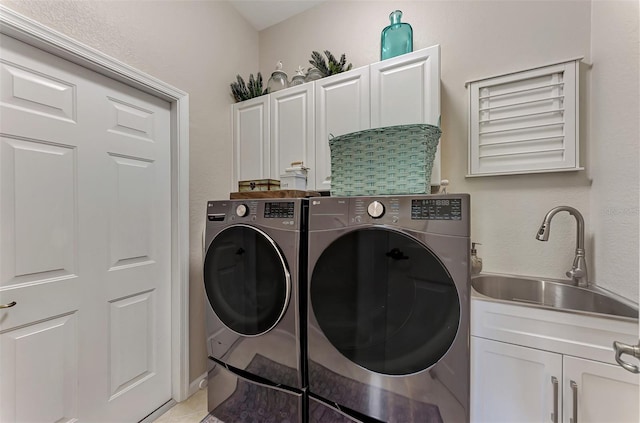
(34,33)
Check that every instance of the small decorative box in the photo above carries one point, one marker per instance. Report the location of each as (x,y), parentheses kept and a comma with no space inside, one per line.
(293,181)
(258,185)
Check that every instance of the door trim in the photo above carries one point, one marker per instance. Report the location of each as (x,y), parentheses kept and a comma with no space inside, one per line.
(37,35)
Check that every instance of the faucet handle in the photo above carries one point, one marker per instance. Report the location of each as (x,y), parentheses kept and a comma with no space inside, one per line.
(575,273)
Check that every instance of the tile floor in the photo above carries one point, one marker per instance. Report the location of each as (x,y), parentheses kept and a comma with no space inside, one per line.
(193,410)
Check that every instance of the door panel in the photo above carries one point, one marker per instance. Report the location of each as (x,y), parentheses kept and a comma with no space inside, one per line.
(131,230)
(51,396)
(39,215)
(342,106)
(292,130)
(251,151)
(603,393)
(85,200)
(133,134)
(133,359)
(40,94)
(510,383)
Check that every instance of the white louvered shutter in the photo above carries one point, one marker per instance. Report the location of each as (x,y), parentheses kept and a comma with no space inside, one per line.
(525,122)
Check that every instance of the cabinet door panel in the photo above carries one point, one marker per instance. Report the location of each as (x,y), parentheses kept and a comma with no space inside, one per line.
(406,90)
(510,383)
(250,132)
(292,130)
(605,393)
(342,106)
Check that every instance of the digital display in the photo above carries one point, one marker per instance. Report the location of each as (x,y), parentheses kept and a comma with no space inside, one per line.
(436,209)
(279,210)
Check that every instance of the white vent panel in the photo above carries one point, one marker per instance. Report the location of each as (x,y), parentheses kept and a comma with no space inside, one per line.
(525,122)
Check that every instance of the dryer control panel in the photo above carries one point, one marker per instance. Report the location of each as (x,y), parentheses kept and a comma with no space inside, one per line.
(436,209)
(441,213)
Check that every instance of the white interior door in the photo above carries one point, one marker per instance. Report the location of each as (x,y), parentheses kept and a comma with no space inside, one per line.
(85,243)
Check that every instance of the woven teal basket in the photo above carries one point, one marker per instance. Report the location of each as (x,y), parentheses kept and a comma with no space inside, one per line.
(388,160)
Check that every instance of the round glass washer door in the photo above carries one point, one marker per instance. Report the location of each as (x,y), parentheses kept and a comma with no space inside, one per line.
(385,301)
(246,279)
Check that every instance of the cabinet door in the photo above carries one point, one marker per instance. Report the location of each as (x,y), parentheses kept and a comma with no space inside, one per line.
(511,384)
(292,130)
(406,89)
(250,132)
(342,106)
(599,393)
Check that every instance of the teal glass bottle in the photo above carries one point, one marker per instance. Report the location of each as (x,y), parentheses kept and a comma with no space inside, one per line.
(397,38)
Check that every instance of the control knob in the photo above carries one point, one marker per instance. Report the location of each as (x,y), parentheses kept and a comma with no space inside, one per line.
(242,210)
(375,209)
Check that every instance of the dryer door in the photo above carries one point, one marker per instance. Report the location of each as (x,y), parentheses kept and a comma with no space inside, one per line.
(385,301)
(247,280)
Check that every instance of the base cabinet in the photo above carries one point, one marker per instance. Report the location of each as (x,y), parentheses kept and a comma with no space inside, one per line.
(531,364)
(510,383)
(597,392)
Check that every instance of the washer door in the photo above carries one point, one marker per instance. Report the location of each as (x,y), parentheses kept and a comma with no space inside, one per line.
(385,301)
(247,280)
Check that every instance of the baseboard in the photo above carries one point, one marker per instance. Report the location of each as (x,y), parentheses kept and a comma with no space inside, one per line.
(159,412)
(199,383)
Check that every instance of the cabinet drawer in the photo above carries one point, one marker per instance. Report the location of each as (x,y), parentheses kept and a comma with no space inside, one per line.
(579,335)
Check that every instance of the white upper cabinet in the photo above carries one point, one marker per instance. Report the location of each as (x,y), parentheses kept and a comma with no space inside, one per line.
(292,129)
(295,124)
(342,106)
(250,132)
(406,90)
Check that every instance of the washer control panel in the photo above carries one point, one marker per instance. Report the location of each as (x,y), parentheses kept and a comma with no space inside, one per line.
(281,214)
(279,210)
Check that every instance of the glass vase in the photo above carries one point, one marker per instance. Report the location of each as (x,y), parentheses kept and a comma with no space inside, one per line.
(397,38)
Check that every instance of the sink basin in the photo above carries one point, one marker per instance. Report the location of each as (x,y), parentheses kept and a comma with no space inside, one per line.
(550,293)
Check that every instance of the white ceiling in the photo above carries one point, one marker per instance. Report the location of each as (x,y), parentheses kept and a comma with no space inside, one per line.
(264,13)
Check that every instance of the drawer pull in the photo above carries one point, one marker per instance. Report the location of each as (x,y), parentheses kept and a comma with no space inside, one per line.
(554,415)
(574,388)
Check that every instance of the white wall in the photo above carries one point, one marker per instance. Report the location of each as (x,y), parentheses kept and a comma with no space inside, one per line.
(486,38)
(615,151)
(197,46)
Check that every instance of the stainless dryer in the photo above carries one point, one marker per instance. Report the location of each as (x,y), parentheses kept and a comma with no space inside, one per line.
(253,250)
(388,306)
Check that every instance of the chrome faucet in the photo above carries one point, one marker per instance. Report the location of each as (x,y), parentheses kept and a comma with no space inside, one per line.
(578,272)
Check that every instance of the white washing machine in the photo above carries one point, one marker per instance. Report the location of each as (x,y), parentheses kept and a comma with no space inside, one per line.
(388,307)
(253,251)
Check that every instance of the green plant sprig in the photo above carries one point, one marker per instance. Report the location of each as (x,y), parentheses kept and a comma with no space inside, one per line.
(331,67)
(242,91)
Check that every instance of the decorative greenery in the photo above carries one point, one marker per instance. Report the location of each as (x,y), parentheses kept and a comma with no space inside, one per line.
(242,91)
(332,67)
